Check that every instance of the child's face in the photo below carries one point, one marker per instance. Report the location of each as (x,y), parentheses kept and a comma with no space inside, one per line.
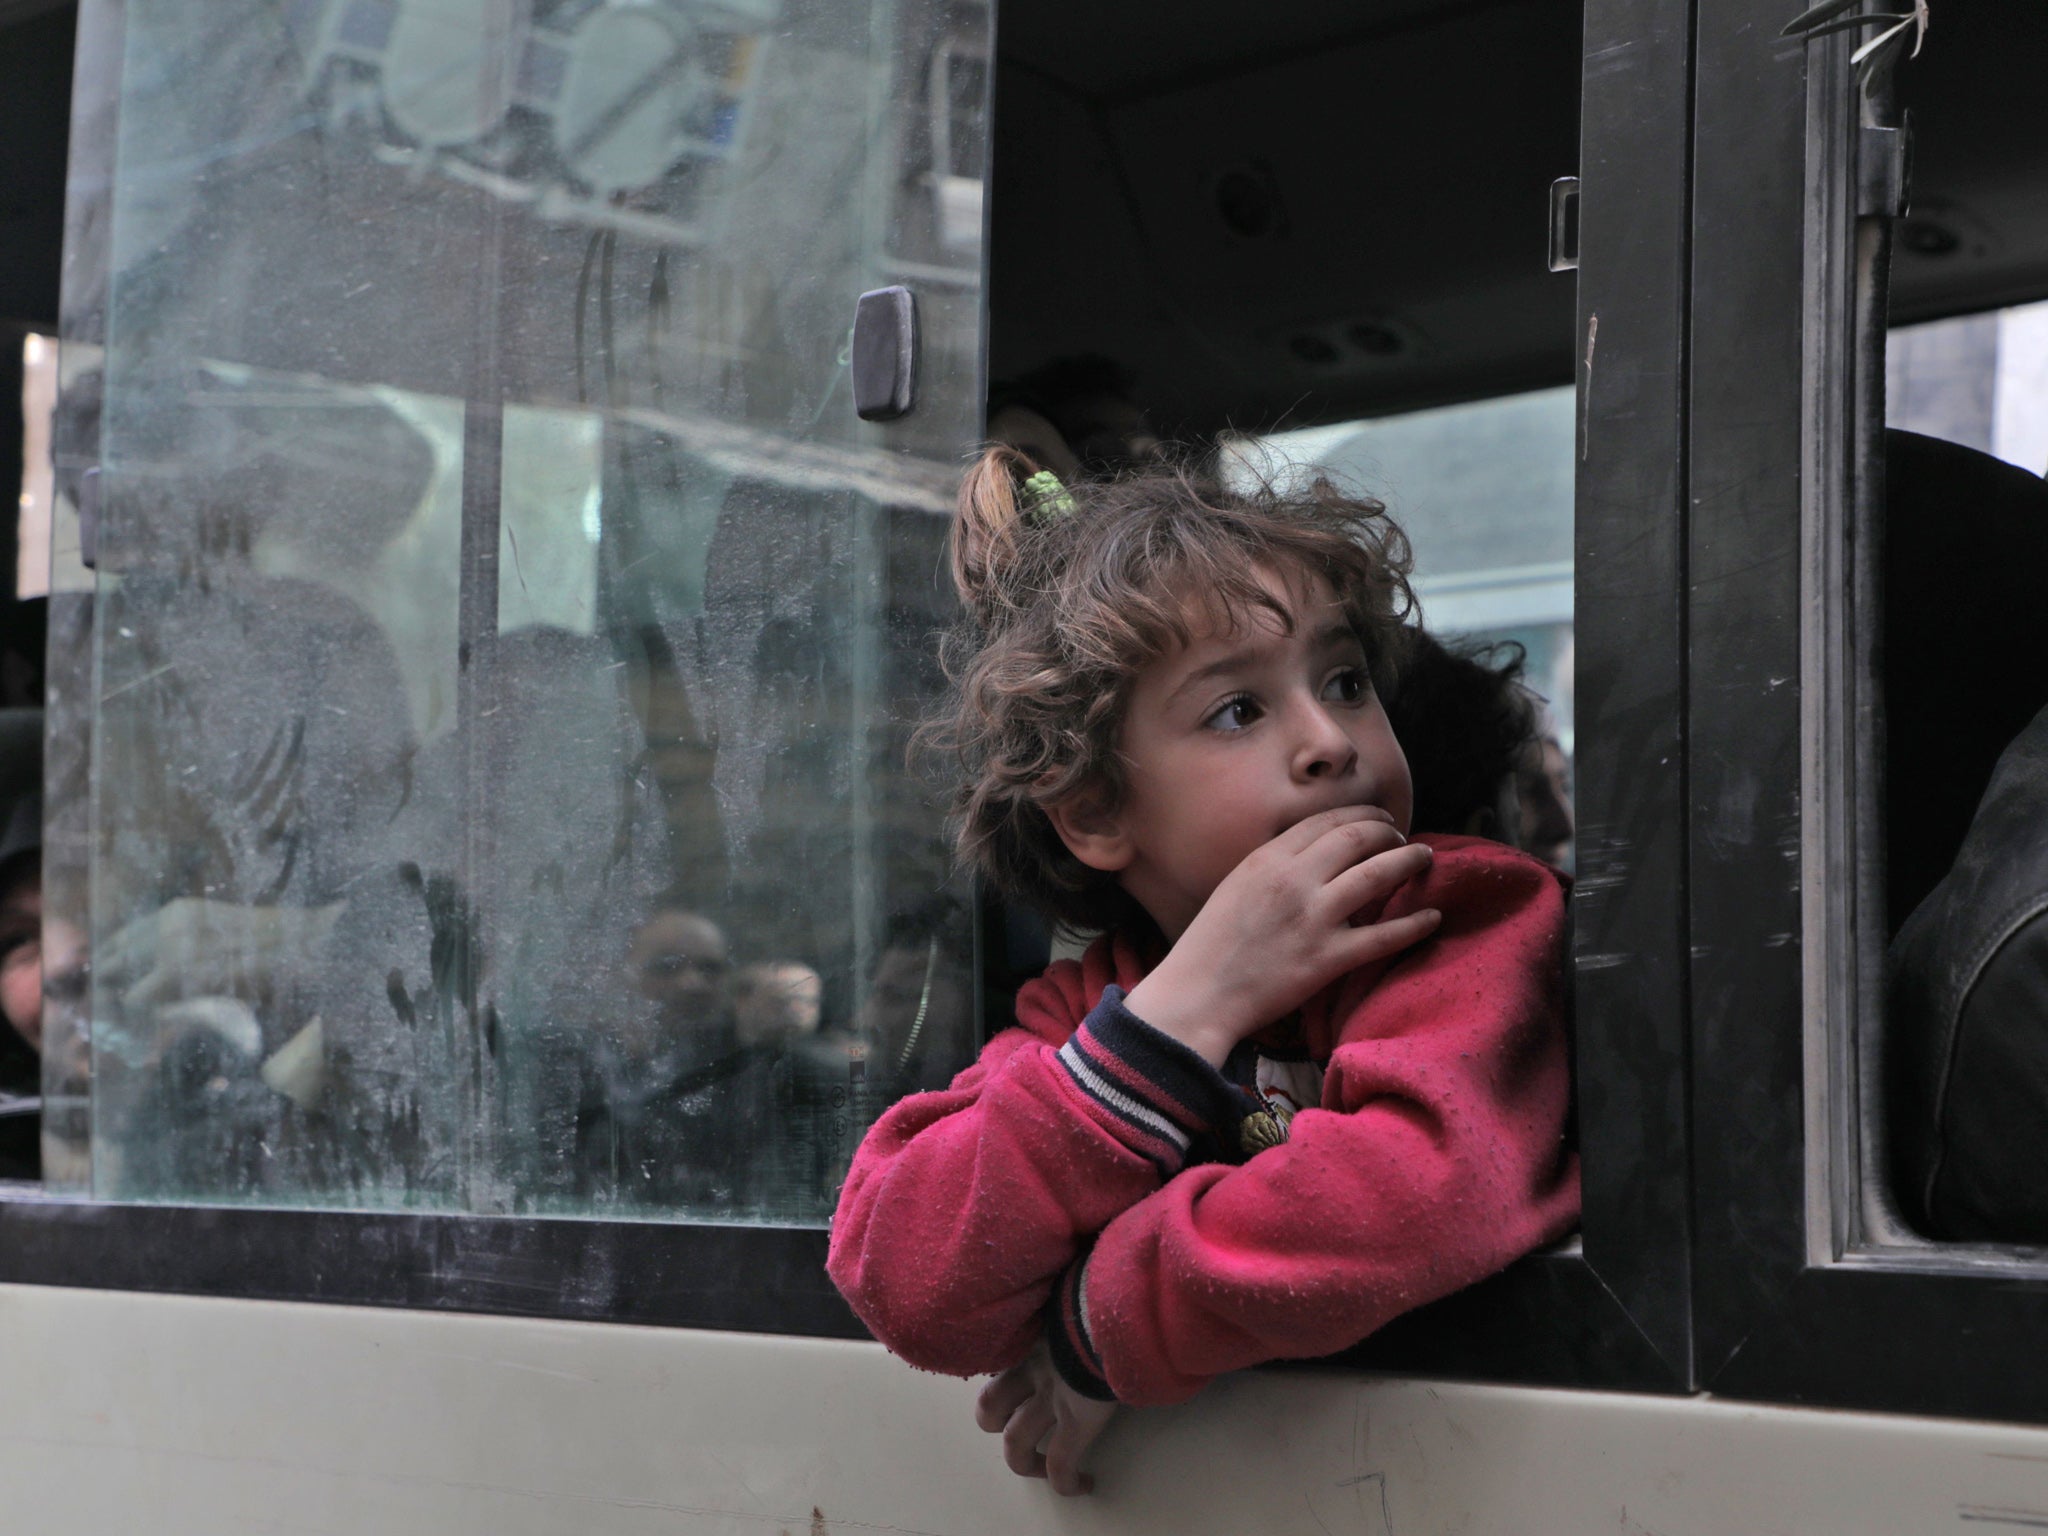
(1234,738)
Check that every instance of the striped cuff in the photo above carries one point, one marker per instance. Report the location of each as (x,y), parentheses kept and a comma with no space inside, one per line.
(1150,1091)
(1067,1338)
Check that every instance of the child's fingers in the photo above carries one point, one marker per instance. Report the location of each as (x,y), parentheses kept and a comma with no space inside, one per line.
(1379,940)
(1305,832)
(1000,1398)
(1023,1435)
(1063,1459)
(1375,878)
(1350,843)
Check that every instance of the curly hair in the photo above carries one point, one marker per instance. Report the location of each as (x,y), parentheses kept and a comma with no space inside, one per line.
(1070,595)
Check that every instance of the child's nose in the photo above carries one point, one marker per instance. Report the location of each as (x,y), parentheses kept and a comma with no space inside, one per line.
(1324,749)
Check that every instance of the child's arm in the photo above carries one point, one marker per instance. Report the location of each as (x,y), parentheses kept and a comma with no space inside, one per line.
(964,1206)
(1436,1161)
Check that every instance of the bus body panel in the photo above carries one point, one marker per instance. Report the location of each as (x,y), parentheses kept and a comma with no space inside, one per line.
(130,1412)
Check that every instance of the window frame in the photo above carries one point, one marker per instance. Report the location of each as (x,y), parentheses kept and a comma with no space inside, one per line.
(1612,1309)
(1805,1294)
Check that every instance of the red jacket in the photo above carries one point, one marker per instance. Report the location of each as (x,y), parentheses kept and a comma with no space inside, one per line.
(1054,1185)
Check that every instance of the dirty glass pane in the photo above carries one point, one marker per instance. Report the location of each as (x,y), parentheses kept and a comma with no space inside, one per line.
(507,635)
(1483,491)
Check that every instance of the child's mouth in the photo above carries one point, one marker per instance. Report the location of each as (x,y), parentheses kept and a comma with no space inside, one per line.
(1289,826)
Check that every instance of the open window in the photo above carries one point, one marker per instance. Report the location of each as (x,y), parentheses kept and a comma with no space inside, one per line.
(1317,243)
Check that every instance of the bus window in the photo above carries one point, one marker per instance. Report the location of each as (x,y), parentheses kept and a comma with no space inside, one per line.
(506,631)
(1316,244)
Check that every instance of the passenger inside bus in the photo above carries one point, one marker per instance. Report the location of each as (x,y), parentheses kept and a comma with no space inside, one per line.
(1476,745)
(1964,1052)
(1967,838)
(1075,415)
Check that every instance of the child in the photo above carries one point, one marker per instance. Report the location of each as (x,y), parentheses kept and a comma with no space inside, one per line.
(1312,1075)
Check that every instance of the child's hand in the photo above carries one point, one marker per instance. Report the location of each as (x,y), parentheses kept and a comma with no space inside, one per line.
(1281,927)
(1046,1425)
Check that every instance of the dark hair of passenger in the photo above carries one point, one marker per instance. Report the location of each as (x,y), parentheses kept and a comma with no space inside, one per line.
(1464,719)
(1092,402)
(1070,592)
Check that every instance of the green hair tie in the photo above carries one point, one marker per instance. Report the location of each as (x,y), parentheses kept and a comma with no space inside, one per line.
(1050,500)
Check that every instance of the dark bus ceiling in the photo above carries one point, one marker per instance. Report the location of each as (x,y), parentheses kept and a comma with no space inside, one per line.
(35,85)
(1977,235)
(1305,210)
(1300,210)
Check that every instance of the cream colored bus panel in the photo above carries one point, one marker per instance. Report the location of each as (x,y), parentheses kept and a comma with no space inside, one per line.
(171,1415)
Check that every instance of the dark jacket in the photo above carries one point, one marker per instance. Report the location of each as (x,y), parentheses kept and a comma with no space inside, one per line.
(1967,1045)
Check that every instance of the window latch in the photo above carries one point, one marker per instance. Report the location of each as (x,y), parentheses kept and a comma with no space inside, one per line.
(1564,224)
(884,354)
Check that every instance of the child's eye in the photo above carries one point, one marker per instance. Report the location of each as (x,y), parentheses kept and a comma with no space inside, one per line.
(1347,686)
(1235,714)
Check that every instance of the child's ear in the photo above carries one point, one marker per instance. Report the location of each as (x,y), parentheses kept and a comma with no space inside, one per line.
(1093,834)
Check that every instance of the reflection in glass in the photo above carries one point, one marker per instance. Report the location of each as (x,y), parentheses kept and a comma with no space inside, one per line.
(507,637)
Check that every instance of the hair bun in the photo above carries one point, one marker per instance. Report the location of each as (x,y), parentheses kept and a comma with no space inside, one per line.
(991,509)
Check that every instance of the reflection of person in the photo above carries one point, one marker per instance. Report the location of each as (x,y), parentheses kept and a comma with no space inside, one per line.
(1313,1076)
(280,705)
(777,1003)
(679,962)
(831,1081)
(916,1012)
(685,1106)
(666,1110)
